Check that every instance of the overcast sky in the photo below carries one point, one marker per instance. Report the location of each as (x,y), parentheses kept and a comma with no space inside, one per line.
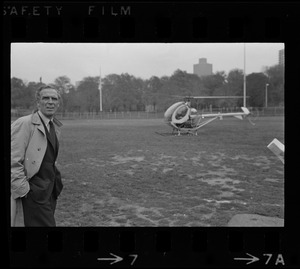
(30,61)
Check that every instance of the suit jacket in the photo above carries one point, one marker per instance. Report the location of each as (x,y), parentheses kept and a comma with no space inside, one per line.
(28,147)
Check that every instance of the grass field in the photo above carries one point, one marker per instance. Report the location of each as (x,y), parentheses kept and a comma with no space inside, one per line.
(122,173)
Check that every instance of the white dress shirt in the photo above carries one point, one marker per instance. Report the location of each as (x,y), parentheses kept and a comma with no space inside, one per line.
(45,120)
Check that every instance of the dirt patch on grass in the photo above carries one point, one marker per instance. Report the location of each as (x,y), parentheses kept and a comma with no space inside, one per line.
(170,188)
(254,220)
(125,159)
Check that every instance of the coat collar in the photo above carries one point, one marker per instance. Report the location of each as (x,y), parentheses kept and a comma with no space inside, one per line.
(57,122)
(35,119)
(44,119)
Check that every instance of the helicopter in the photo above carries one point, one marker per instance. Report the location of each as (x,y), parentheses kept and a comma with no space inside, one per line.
(185,119)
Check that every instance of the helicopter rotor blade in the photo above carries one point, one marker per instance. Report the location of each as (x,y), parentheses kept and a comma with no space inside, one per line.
(216,97)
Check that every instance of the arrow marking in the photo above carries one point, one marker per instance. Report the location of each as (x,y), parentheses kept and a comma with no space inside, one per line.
(115,259)
(251,260)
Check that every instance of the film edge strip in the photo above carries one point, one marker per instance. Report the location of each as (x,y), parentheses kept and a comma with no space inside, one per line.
(162,246)
(54,27)
(131,23)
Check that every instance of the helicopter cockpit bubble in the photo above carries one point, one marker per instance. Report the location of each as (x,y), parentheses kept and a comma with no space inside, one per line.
(181,114)
(168,114)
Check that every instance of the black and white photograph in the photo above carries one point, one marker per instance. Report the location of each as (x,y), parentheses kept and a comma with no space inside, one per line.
(147,134)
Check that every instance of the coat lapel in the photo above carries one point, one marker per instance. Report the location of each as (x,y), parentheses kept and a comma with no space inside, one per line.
(37,121)
(57,124)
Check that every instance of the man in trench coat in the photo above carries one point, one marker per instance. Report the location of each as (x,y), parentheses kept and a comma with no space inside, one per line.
(35,180)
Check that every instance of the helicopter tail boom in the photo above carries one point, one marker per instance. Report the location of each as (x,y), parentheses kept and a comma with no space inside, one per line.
(238,115)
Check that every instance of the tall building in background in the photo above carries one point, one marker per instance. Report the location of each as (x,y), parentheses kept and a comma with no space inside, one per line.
(203,68)
(281,57)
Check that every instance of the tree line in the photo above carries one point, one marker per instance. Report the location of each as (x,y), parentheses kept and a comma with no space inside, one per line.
(126,92)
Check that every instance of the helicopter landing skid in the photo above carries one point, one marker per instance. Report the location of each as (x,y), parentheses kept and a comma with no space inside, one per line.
(185,131)
(190,130)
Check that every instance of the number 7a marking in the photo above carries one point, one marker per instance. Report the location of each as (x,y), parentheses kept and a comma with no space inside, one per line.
(134,258)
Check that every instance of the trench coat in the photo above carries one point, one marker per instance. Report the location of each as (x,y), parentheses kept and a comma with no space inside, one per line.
(28,147)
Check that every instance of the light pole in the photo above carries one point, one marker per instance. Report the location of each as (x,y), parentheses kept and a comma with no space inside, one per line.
(100,91)
(244,99)
(266,98)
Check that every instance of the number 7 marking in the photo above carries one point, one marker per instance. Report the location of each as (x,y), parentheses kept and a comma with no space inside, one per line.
(269,257)
(135,257)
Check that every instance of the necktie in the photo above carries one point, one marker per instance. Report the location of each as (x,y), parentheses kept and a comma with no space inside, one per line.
(52,133)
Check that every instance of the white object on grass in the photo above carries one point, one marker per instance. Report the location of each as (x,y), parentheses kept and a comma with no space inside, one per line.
(277,148)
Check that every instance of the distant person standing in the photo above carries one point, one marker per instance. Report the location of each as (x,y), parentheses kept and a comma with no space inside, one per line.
(35,180)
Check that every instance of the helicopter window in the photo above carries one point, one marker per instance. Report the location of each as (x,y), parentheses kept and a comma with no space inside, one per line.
(181,113)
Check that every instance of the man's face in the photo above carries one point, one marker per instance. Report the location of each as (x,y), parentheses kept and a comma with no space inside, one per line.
(49,102)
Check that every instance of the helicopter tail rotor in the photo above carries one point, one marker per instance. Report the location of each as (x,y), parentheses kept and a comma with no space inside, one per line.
(252,116)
